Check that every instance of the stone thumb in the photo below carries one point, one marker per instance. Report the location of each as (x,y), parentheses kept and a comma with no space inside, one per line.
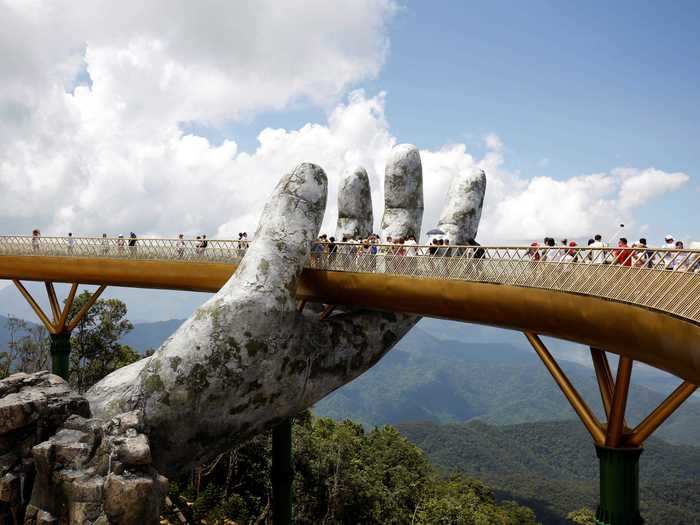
(289,223)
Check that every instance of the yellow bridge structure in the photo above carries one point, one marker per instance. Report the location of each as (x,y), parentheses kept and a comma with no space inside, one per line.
(641,304)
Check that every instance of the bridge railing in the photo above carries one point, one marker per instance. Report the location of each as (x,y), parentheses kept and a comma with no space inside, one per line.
(210,250)
(667,280)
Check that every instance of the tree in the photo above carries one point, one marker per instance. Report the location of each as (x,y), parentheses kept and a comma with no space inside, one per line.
(27,348)
(584,516)
(343,475)
(95,347)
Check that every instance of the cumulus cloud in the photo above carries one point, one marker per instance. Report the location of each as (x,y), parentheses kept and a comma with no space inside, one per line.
(111,155)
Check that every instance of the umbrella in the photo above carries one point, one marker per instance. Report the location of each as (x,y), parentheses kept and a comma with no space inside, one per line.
(435,231)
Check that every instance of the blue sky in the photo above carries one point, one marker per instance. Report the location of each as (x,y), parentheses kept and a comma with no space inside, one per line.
(108,120)
(571,88)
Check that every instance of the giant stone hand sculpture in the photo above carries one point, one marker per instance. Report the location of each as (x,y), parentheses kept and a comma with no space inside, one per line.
(247,359)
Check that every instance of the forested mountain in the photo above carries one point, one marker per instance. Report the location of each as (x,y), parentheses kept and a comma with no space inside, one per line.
(552,467)
(443,381)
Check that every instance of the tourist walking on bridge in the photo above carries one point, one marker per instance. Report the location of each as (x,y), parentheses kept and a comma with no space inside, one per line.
(623,255)
(71,242)
(669,258)
(35,240)
(132,244)
(180,246)
(598,254)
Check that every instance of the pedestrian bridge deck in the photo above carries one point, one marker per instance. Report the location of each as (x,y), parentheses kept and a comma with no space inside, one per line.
(649,311)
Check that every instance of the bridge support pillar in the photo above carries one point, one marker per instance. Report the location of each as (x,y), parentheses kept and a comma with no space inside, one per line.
(60,354)
(59,326)
(282,473)
(619,486)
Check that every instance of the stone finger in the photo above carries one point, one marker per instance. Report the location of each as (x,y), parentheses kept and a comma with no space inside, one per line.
(403,193)
(465,199)
(355,217)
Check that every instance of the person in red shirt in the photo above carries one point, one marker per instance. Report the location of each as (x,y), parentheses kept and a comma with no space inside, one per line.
(623,253)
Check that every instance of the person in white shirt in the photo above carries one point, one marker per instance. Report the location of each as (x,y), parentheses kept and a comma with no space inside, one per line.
(71,242)
(670,257)
(598,256)
(410,243)
(180,245)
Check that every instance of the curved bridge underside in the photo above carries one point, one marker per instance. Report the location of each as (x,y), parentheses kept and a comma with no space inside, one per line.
(656,337)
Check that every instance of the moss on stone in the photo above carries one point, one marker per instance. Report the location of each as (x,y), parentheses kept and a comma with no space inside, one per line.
(152,384)
(254,346)
(197,380)
(175,362)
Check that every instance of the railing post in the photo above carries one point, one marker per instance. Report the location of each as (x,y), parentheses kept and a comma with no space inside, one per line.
(619,486)
(60,354)
(282,473)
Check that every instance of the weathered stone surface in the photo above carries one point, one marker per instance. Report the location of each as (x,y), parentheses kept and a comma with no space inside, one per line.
(99,472)
(17,410)
(9,487)
(86,490)
(129,500)
(72,447)
(135,450)
(465,200)
(45,518)
(81,512)
(403,193)
(66,474)
(25,399)
(131,420)
(246,358)
(355,218)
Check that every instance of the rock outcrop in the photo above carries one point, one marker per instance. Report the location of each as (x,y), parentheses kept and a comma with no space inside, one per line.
(32,408)
(57,465)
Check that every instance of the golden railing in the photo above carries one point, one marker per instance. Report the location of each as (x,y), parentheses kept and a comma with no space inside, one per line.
(664,280)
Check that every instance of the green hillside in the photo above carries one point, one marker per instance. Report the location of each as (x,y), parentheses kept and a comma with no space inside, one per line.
(552,468)
(445,381)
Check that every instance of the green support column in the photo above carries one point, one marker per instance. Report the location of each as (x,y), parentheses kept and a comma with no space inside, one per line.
(619,486)
(60,353)
(282,473)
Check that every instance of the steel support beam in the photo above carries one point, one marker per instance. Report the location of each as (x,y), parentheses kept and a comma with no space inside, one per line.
(616,421)
(68,305)
(579,405)
(60,328)
(604,377)
(282,473)
(53,301)
(35,306)
(660,414)
(327,311)
(84,310)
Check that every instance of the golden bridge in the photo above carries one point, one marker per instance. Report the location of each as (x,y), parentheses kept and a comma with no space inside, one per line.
(642,304)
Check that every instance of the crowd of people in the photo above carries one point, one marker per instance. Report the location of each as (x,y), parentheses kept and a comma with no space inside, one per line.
(402,246)
(121,245)
(671,256)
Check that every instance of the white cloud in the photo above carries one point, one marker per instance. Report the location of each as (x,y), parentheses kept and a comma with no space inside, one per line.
(113,157)
(639,186)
